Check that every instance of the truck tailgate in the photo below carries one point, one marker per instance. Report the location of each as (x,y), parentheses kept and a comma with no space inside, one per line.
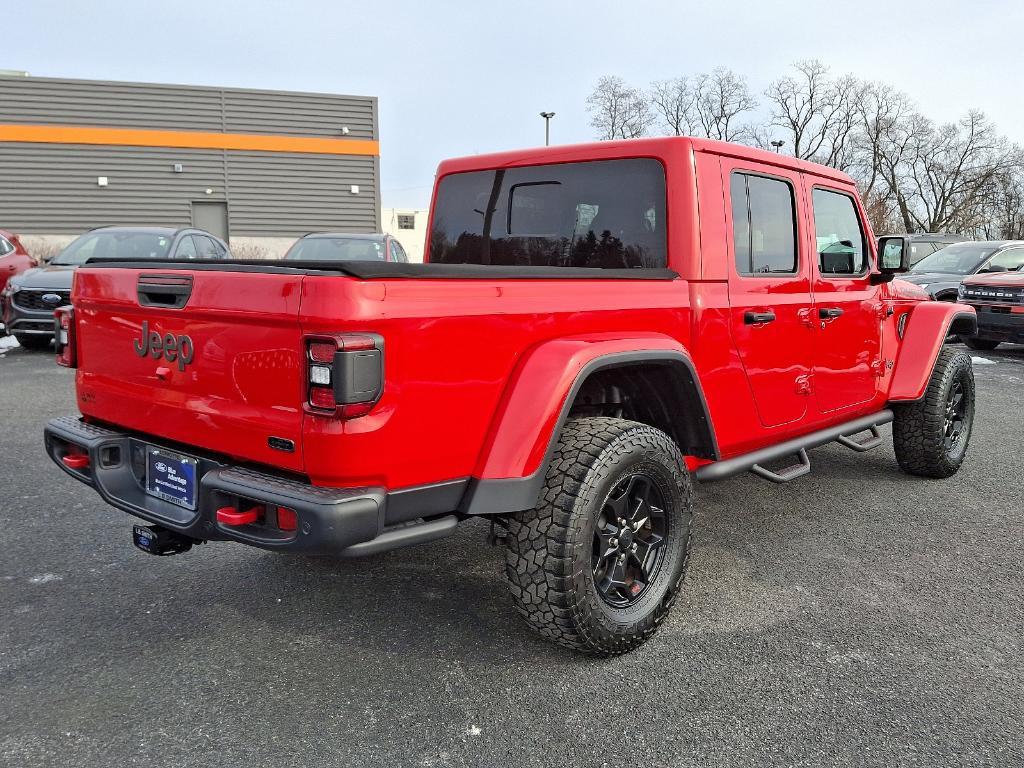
(223,371)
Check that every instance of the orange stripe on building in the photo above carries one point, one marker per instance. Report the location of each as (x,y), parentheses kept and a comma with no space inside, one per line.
(140,137)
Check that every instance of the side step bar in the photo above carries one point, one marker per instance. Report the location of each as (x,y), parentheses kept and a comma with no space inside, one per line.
(798,446)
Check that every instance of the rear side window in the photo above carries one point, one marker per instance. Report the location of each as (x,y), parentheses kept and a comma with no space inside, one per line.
(764,225)
(187,248)
(921,249)
(1007,261)
(5,247)
(838,234)
(608,214)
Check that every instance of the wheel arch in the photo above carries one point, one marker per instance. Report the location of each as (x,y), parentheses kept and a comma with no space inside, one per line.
(929,324)
(546,391)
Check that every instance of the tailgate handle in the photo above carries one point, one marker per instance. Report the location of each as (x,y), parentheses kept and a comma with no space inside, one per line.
(170,291)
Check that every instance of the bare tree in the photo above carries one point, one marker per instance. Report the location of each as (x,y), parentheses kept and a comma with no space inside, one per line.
(720,98)
(880,109)
(952,168)
(675,103)
(817,114)
(619,111)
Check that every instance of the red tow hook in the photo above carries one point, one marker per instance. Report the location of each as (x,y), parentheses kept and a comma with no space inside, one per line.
(232,516)
(75,461)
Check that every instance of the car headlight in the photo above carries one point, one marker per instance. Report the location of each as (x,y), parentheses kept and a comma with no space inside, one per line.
(960,291)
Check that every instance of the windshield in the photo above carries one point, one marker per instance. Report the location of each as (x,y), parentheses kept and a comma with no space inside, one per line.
(602,214)
(117,245)
(337,249)
(959,259)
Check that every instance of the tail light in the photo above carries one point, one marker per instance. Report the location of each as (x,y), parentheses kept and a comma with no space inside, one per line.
(64,337)
(345,374)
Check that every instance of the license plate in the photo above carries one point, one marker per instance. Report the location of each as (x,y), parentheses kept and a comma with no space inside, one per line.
(171,477)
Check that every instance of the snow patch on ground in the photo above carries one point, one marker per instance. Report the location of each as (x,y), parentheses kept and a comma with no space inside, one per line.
(45,578)
(982,361)
(7,343)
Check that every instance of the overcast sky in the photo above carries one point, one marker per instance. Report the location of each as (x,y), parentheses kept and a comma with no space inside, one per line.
(456,78)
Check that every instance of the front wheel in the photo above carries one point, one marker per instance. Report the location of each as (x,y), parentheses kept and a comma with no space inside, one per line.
(931,435)
(597,564)
(984,345)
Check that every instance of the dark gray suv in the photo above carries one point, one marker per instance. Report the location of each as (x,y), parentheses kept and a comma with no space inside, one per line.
(28,301)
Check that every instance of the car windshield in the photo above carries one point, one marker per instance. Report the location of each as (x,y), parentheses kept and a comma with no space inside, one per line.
(337,249)
(959,259)
(116,245)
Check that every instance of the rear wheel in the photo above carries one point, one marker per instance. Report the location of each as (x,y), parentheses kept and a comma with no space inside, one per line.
(33,341)
(979,344)
(931,435)
(598,563)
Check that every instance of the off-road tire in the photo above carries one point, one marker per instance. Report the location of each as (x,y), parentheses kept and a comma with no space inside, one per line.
(919,428)
(550,548)
(982,345)
(33,341)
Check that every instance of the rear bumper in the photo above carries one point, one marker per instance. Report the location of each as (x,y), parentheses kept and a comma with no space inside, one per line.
(344,521)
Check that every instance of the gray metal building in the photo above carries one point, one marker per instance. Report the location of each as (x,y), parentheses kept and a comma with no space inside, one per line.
(249,165)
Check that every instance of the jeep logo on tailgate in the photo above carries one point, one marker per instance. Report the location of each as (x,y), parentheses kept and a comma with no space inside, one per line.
(169,347)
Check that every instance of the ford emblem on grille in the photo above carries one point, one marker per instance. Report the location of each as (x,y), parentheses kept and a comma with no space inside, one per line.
(53,299)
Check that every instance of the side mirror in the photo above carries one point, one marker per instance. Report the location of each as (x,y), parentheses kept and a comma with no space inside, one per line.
(893,255)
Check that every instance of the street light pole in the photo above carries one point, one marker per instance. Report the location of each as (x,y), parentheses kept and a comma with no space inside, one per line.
(547,126)
(778,145)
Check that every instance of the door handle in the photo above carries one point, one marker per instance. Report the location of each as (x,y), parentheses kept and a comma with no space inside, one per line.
(829,313)
(756,318)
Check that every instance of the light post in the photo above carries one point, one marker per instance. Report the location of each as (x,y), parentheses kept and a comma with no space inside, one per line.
(778,144)
(547,126)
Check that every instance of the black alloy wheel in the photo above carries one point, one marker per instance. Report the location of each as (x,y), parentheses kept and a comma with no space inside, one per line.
(628,540)
(956,416)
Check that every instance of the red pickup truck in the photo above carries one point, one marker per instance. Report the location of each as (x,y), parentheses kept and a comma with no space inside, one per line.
(596,327)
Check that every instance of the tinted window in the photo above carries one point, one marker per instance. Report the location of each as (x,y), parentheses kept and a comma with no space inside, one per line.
(186,248)
(116,245)
(208,247)
(764,229)
(838,234)
(921,249)
(337,249)
(608,214)
(5,247)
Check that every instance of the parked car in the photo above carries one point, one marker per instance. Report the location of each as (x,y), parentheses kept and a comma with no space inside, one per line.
(926,243)
(941,273)
(30,298)
(584,342)
(998,300)
(14,259)
(338,246)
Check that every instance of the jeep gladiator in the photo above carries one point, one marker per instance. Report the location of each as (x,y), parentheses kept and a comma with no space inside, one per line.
(595,327)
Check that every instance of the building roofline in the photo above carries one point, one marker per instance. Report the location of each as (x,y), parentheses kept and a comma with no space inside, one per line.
(216,88)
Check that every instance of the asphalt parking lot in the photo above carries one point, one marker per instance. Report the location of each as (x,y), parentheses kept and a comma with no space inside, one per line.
(857,616)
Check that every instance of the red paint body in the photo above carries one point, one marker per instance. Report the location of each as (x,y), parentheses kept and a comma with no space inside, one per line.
(15,262)
(476,372)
